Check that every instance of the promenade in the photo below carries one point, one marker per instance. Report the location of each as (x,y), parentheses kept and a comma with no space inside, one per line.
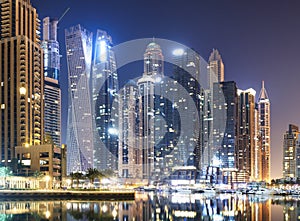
(66,194)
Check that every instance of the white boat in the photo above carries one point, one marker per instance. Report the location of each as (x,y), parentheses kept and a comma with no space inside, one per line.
(184,190)
(264,191)
(209,190)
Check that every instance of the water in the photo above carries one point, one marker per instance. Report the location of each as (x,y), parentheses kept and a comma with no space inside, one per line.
(158,207)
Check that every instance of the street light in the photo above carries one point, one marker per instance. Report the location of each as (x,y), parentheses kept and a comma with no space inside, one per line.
(47,178)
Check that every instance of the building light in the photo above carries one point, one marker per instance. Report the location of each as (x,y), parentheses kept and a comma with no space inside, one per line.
(178,52)
(22,90)
(102,50)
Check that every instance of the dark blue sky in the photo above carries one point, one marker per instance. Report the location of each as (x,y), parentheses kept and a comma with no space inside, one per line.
(258,40)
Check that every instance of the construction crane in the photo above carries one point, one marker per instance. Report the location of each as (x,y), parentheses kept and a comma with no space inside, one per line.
(66,11)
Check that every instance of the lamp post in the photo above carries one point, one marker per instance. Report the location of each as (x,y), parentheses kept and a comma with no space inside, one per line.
(47,178)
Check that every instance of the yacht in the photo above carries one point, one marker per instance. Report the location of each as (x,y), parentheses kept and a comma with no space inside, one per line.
(209,190)
(264,191)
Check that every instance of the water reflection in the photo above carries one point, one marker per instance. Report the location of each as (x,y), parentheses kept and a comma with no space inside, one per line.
(157,207)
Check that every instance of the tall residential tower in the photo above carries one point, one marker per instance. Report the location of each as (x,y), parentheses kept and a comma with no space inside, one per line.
(290,141)
(265,132)
(52,89)
(22,79)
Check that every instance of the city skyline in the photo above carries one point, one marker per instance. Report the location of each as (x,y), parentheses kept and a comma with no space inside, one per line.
(236,33)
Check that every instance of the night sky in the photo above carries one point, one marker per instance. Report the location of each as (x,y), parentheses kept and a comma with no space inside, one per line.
(258,40)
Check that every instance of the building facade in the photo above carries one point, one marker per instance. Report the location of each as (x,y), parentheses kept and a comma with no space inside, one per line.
(264,108)
(22,104)
(105,103)
(290,139)
(153,69)
(187,75)
(216,67)
(52,88)
(246,133)
(48,159)
(79,125)
(130,155)
(225,123)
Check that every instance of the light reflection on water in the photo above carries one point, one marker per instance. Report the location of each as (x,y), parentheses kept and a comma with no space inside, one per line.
(158,207)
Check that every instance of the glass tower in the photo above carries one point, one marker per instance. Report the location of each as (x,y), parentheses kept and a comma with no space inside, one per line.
(187,75)
(22,79)
(52,89)
(80,127)
(225,112)
(105,103)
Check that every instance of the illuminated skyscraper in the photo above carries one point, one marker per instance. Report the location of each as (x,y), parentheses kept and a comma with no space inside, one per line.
(187,75)
(52,89)
(265,132)
(216,67)
(225,112)
(246,133)
(257,159)
(153,73)
(22,79)
(212,136)
(105,103)
(130,156)
(80,129)
(291,138)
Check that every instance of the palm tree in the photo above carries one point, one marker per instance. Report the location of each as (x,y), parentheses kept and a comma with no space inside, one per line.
(37,175)
(92,174)
(76,176)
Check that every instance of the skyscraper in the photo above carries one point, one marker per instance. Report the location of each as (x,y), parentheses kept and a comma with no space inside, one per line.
(257,151)
(105,103)
(80,127)
(225,113)
(265,132)
(22,79)
(216,67)
(130,155)
(187,74)
(153,72)
(290,139)
(246,133)
(52,89)
(212,133)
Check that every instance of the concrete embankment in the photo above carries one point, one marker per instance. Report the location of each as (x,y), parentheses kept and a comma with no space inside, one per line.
(76,195)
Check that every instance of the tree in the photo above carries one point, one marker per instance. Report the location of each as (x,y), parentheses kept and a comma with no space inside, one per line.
(37,175)
(92,174)
(5,172)
(76,176)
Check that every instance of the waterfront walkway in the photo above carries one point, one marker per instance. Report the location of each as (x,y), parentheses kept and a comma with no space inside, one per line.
(66,194)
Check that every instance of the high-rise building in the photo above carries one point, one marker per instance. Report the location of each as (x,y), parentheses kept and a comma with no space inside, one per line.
(153,73)
(290,139)
(130,156)
(225,114)
(52,89)
(105,103)
(216,67)
(265,132)
(22,79)
(257,152)
(187,75)
(246,133)
(80,127)
(212,141)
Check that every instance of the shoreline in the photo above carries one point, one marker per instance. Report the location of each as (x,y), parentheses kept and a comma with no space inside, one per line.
(66,194)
